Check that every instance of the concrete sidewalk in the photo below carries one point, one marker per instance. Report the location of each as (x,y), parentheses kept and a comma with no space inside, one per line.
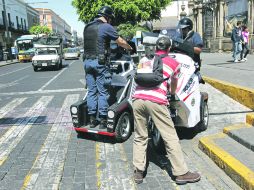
(221,66)
(233,148)
(8,62)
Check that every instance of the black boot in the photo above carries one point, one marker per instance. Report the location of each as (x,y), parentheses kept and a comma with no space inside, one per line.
(103,123)
(93,121)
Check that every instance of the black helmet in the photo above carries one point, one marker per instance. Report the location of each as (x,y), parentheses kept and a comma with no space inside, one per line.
(185,23)
(163,43)
(106,11)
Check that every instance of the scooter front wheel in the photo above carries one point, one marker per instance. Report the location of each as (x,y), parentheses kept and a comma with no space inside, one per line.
(123,127)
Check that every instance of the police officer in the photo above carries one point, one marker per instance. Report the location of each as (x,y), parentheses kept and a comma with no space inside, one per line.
(97,36)
(186,25)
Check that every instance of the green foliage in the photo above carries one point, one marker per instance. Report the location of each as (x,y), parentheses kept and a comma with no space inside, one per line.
(128,30)
(39,30)
(132,11)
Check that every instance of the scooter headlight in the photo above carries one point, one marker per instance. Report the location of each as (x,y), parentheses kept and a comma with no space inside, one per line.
(111,114)
(74,110)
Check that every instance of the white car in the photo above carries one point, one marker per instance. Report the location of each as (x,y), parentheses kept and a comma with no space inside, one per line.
(71,53)
(46,57)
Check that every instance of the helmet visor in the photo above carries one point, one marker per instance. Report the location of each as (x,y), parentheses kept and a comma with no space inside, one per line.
(181,26)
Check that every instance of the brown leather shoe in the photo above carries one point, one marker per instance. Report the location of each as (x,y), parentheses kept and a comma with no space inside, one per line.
(189,177)
(138,176)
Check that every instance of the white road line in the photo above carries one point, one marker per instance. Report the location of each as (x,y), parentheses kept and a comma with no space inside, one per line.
(13,83)
(14,135)
(14,71)
(11,106)
(43,92)
(45,85)
(51,157)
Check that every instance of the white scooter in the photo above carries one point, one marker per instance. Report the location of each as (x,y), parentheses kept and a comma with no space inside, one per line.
(189,108)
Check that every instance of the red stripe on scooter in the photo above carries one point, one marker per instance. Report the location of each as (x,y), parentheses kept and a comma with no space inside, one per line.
(97,132)
(187,96)
(106,133)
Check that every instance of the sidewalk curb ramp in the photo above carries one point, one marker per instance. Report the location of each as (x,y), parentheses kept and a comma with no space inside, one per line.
(233,151)
(241,94)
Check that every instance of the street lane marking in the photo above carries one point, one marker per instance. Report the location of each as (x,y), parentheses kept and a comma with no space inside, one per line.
(11,106)
(45,85)
(13,83)
(43,92)
(14,71)
(112,167)
(51,157)
(15,133)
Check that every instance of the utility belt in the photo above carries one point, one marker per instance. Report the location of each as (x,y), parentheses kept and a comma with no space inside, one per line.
(102,59)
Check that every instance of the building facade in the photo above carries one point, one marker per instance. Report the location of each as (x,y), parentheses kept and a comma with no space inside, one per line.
(13,21)
(171,15)
(50,19)
(74,38)
(32,17)
(215,19)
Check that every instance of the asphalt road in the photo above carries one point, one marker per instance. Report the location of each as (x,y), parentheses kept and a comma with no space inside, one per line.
(40,150)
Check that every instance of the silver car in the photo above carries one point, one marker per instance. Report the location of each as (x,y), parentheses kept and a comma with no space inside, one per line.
(71,53)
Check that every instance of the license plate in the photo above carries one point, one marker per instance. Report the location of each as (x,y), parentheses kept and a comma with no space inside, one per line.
(44,64)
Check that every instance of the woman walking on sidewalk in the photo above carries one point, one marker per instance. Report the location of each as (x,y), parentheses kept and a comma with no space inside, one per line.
(245,49)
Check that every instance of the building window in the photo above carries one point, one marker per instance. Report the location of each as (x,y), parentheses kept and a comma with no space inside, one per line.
(17,20)
(9,18)
(24,24)
(21,23)
(3,15)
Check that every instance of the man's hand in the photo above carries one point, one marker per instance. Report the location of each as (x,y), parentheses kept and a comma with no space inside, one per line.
(121,42)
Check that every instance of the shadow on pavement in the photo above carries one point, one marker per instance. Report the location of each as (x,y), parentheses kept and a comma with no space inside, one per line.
(97,138)
(228,113)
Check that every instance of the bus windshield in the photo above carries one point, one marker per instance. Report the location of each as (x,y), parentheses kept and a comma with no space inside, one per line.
(24,45)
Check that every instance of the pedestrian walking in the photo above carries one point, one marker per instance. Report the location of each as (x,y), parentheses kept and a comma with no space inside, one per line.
(152,102)
(97,37)
(245,44)
(237,40)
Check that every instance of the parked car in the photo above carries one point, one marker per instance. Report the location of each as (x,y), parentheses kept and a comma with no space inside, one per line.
(71,53)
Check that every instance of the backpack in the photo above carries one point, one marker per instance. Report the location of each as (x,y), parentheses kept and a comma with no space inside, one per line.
(150,72)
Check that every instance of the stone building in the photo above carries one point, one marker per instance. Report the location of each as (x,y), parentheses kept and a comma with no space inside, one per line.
(50,19)
(13,21)
(214,20)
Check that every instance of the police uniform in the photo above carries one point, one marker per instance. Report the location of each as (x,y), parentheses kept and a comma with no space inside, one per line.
(97,37)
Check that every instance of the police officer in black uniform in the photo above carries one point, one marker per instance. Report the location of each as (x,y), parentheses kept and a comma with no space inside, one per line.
(186,25)
(97,37)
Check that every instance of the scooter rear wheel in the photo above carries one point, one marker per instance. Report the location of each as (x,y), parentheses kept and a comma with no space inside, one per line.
(156,140)
(204,116)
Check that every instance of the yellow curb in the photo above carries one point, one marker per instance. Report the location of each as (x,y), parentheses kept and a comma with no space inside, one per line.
(241,94)
(241,174)
(235,127)
(250,119)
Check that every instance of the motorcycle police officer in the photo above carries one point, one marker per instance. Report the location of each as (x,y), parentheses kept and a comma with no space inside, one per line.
(97,36)
(186,25)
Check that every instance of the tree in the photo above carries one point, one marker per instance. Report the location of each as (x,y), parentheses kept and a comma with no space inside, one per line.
(132,11)
(128,31)
(39,30)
